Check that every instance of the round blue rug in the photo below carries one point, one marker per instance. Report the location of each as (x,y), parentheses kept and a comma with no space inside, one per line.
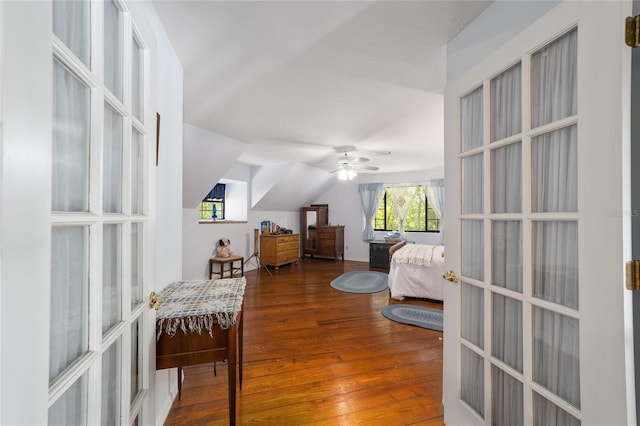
(414,315)
(361,282)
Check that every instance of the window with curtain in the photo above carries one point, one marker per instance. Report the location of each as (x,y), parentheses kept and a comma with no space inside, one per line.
(212,206)
(420,215)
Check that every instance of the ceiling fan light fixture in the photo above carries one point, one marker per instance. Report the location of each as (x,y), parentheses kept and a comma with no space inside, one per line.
(346,173)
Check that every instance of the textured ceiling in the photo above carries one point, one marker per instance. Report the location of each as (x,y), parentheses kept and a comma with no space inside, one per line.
(296,79)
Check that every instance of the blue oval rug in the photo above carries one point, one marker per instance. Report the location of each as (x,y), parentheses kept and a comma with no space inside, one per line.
(361,282)
(414,315)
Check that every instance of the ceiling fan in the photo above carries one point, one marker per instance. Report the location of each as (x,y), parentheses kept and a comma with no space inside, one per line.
(348,166)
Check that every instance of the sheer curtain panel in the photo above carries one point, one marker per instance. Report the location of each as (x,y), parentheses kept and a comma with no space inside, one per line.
(436,192)
(370,196)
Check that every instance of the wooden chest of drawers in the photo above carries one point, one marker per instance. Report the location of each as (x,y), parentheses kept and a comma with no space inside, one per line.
(331,241)
(276,250)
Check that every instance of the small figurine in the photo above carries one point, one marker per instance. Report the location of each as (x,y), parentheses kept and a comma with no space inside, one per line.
(224,248)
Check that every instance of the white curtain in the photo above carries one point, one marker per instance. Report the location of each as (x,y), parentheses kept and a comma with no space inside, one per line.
(506,104)
(72,408)
(111,384)
(136,374)
(506,399)
(556,362)
(472,184)
(137,173)
(554,170)
(402,197)
(472,380)
(506,255)
(136,263)
(111,276)
(545,413)
(554,85)
(506,179)
(71,23)
(112,169)
(71,125)
(69,329)
(506,330)
(435,191)
(471,116)
(137,88)
(370,196)
(113,49)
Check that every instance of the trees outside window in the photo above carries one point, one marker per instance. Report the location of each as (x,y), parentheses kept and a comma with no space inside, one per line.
(420,218)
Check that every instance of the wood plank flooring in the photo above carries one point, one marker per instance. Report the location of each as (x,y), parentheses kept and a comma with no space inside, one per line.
(317,356)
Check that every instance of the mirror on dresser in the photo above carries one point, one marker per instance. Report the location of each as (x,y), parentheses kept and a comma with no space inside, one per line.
(318,238)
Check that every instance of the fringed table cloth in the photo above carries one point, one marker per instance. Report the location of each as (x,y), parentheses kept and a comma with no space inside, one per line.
(200,322)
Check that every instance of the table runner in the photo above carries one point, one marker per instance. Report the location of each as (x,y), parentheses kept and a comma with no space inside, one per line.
(192,306)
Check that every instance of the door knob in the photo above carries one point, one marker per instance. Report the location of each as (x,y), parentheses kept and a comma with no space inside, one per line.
(450,276)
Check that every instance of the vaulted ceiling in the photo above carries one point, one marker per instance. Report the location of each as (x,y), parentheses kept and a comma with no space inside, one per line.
(296,79)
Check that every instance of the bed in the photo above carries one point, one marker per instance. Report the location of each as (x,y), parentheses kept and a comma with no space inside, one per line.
(415,270)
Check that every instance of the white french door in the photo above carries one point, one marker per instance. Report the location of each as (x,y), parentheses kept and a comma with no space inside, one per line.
(537,329)
(82,129)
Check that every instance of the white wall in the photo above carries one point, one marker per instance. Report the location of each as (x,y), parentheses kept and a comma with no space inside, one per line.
(345,208)
(168,203)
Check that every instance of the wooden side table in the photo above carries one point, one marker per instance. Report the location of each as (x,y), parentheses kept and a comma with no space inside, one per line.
(221,261)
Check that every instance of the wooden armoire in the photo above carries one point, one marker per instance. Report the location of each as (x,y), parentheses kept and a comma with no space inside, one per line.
(317,237)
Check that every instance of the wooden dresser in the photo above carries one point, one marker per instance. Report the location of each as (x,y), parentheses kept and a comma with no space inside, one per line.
(331,241)
(279,249)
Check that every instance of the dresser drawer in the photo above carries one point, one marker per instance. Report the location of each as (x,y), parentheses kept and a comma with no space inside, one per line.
(287,256)
(287,239)
(285,246)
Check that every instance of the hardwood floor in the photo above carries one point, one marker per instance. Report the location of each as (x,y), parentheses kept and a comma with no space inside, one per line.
(317,356)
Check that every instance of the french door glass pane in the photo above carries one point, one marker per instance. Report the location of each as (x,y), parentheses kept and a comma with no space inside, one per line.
(471,120)
(472,182)
(113,48)
(111,276)
(111,384)
(554,171)
(72,407)
(545,413)
(136,360)
(136,263)
(112,173)
(69,329)
(506,179)
(506,258)
(506,331)
(137,88)
(554,85)
(473,249)
(71,124)
(72,25)
(506,104)
(506,399)
(472,314)
(472,380)
(137,173)
(555,262)
(556,362)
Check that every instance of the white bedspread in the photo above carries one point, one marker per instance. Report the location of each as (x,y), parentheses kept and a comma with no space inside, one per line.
(416,271)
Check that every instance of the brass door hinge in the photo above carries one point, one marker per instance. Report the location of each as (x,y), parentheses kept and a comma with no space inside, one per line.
(632,31)
(633,275)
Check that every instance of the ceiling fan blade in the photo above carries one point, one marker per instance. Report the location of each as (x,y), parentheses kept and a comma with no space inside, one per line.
(358,167)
